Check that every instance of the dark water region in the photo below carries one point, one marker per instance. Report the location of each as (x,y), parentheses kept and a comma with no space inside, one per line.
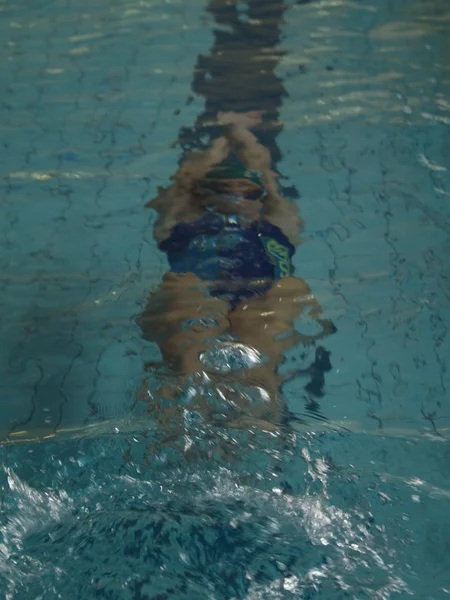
(297,448)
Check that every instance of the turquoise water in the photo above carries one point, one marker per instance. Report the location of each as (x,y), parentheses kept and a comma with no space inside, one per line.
(349,497)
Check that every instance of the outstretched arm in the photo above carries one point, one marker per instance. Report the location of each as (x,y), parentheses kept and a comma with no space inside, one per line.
(277,210)
(193,168)
(197,164)
(174,203)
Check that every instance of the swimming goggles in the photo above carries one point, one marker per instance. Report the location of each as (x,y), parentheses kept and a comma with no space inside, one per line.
(222,188)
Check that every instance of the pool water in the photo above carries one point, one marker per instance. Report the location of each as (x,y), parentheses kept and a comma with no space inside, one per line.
(118,490)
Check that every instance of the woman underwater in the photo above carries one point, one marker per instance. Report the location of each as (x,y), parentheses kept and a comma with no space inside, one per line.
(230,299)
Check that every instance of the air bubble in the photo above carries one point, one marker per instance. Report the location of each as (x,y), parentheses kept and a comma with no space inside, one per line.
(232,356)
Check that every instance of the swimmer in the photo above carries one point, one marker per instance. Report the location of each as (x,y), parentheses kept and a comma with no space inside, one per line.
(229,236)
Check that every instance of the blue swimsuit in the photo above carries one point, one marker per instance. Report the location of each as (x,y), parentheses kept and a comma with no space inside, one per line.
(219,250)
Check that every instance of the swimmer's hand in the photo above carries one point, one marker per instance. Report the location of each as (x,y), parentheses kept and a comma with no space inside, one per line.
(246,120)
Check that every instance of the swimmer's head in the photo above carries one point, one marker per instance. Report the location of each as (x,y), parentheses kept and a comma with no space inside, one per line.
(233,189)
(234,180)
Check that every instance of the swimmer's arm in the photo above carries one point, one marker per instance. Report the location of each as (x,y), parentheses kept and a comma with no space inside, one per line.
(278,210)
(193,168)
(172,206)
(174,203)
(284,214)
(197,164)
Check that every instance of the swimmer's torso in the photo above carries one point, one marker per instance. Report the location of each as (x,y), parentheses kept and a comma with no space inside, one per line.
(218,248)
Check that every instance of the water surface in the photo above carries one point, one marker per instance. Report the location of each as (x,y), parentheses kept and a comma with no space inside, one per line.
(110,504)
